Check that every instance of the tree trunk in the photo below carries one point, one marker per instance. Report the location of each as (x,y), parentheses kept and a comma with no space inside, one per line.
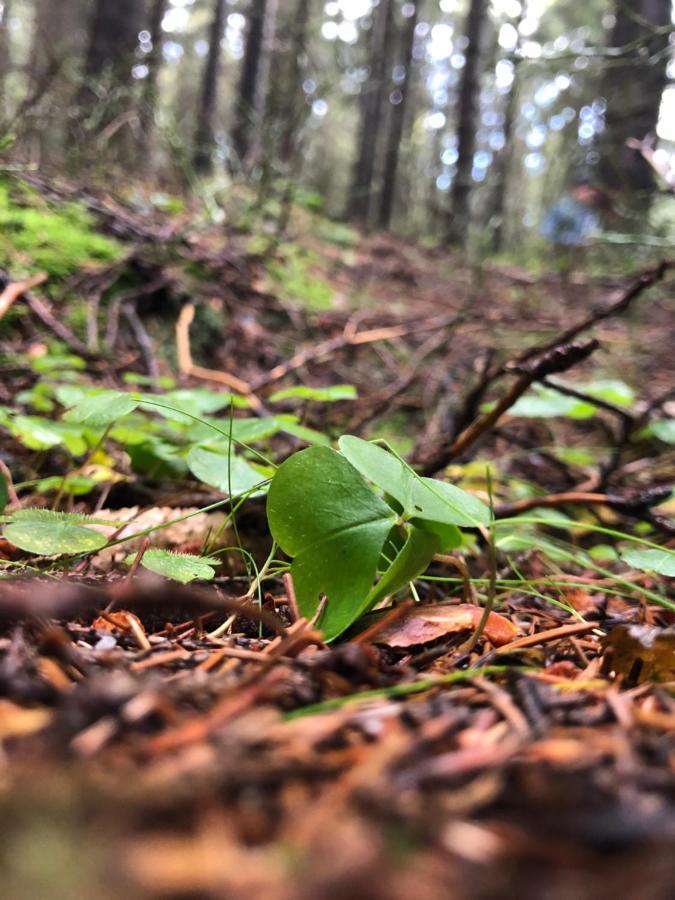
(5,56)
(502,163)
(396,121)
(372,106)
(204,135)
(151,84)
(113,38)
(469,91)
(106,99)
(249,94)
(633,86)
(294,94)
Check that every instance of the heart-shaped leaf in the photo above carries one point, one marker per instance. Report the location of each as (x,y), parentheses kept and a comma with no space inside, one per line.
(322,512)
(421,498)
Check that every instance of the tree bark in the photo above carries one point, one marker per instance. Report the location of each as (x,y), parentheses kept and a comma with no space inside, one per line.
(5,57)
(396,122)
(151,84)
(294,95)
(113,38)
(204,135)
(633,86)
(459,217)
(372,106)
(249,94)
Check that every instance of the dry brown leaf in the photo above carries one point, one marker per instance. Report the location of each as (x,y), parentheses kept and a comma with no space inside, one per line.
(582,601)
(640,653)
(423,624)
(16,721)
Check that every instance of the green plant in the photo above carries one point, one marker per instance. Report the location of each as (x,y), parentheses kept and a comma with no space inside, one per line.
(347,516)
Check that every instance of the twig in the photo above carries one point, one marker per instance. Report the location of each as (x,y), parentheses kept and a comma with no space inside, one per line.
(187,367)
(544,637)
(383,404)
(327,348)
(589,398)
(392,615)
(16,289)
(142,339)
(641,283)
(559,359)
(11,490)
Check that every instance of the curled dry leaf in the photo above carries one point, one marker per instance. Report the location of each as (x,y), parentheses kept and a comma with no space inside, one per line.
(423,624)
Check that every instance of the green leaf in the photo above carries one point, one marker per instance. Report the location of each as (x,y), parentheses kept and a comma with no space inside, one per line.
(37,514)
(156,459)
(77,485)
(322,512)
(420,498)
(102,409)
(52,363)
(230,474)
(646,560)
(611,390)
(663,429)
(290,425)
(381,467)
(414,558)
(183,567)
(36,433)
(544,403)
(244,430)
(4,492)
(323,395)
(53,538)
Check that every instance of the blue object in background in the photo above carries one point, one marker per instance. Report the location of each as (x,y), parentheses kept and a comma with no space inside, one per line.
(569,223)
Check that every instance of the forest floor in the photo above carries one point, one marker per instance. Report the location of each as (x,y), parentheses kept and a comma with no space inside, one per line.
(167,740)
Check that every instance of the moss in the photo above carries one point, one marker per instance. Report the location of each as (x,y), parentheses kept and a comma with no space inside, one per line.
(296,281)
(35,237)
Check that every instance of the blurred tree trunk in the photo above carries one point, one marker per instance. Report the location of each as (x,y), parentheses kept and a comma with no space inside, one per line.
(113,38)
(372,106)
(459,217)
(106,96)
(633,86)
(58,41)
(397,120)
(204,135)
(5,56)
(151,84)
(294,100)
(502,163)
(249,95)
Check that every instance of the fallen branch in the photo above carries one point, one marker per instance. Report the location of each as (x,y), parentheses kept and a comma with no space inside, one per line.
(557,360)
(639,286)
(187,367)
(16,289)
(348,338)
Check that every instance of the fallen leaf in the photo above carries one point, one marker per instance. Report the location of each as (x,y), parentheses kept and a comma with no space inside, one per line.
(640,653)
(116,621)
(16,721)
(423,624)
(582,601)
